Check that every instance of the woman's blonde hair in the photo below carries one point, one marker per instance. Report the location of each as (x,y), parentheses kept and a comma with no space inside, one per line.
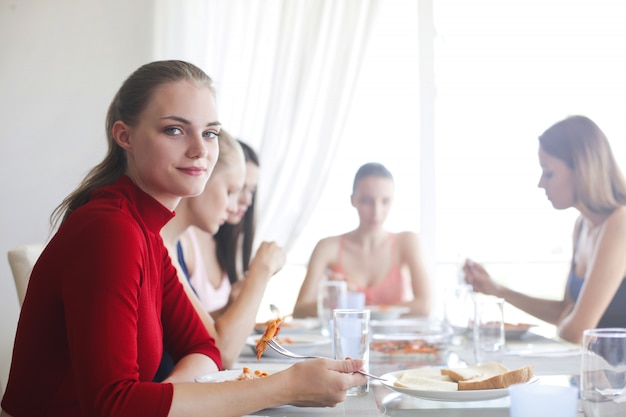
(127,105)
(598,182)
(230,151)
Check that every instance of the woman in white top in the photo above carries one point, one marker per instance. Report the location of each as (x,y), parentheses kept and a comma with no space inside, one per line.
(197,219)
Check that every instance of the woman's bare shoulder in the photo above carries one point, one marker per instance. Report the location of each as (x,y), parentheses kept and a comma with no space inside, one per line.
(618,215)
(329,243)
(407,238)
(616,222)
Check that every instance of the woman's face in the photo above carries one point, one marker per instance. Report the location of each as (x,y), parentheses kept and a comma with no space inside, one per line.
(173,148)
(246,195)
(372,199)
(557,179)
(218,201)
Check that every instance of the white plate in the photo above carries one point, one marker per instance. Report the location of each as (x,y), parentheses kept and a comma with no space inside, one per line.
(382,312)
(222,376)
(454,396)
(292,326)
(302,344)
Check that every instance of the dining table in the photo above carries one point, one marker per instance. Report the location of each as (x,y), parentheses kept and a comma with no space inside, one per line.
(556,362)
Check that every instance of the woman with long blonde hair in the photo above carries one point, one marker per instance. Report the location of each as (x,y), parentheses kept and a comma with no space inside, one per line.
(579,171)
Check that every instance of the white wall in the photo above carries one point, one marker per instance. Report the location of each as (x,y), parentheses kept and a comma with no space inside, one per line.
(61,62)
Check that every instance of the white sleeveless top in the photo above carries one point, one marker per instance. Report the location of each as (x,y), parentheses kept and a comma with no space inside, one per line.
(211,298)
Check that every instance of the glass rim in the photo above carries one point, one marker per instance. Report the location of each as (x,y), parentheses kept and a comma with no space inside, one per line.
(607,331)
(351,310)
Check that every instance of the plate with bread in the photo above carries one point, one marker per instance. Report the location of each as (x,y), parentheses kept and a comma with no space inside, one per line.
(488,381)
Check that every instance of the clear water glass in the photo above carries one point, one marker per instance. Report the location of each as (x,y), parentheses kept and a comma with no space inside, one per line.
(489,336)
(603,372)
(351,329)
(330,295)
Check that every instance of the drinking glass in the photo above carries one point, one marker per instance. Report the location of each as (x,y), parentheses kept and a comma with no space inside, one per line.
(351,340)
(489,337)
(330,295)
(603,372)
(459,310)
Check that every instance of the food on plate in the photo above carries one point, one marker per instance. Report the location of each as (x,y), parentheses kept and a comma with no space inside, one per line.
(273,327)
(472,372)
(503,380)
(490,375)
(426,379)
(247,373)
(402,346)
(517,326)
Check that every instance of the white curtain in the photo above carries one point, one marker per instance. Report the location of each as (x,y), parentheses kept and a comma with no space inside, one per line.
(285,72)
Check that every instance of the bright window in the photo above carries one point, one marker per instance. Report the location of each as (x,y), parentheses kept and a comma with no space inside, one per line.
(504,72)
(383,126)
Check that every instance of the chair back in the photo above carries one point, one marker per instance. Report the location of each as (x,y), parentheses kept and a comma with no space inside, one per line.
(22,259)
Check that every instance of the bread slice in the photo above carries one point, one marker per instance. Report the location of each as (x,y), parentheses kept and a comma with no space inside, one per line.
(504,380)
(426,371)
(427,378)
(483,371)
(426,383)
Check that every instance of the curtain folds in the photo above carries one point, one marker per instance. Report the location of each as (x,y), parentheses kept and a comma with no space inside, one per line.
(285,72)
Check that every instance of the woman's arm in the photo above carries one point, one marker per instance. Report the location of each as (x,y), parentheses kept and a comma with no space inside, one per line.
(306,304)
(292,386)
(410,253)
(190,366)
(232,328)
(605,271)
(236,324)
(547,310)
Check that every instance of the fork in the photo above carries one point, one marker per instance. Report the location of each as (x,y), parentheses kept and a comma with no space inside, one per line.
(278,348)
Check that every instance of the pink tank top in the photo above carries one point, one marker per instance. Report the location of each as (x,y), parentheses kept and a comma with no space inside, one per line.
(211,298)
(394,289)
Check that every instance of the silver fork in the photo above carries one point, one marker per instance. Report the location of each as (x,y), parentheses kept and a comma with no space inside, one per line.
(278,348)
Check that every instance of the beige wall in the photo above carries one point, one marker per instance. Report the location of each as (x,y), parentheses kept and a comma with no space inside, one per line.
(60,64)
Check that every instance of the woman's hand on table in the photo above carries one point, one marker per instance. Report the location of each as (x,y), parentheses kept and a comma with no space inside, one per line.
(321,382)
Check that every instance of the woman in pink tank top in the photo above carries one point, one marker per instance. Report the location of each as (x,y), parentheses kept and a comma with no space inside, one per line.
(386,266)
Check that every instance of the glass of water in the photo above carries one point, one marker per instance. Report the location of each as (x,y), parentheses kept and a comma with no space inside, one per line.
(489,337)
(351,339)
(330,295)
(603,372)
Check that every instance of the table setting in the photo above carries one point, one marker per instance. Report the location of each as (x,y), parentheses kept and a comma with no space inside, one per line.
(397,346)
